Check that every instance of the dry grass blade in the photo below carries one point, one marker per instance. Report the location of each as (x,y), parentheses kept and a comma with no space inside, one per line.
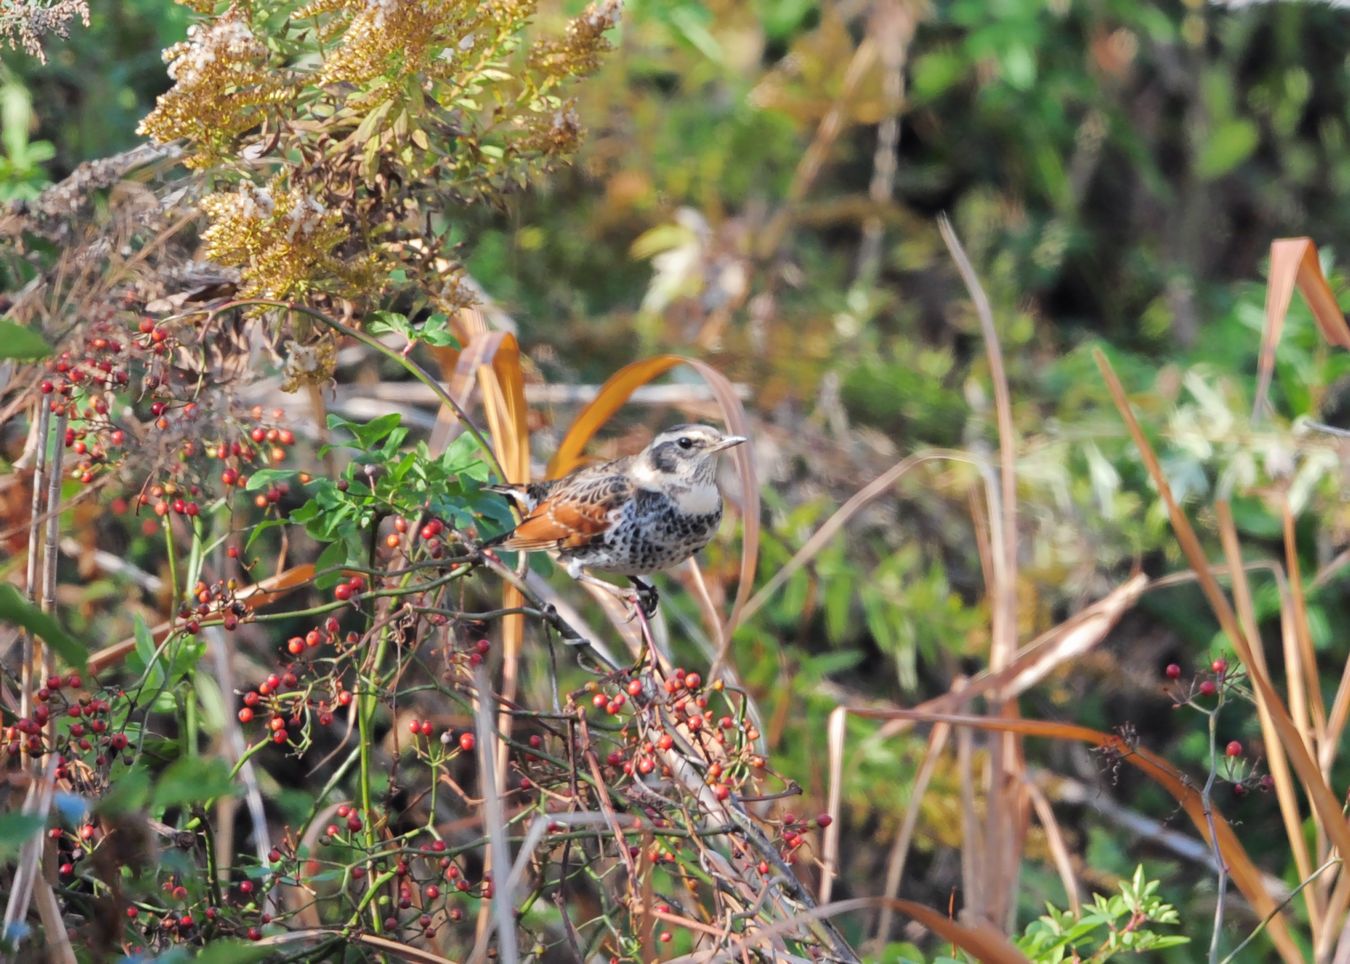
(1059,849)
(1326,807)
(856,503)
(1293,263)
(895,864)
(980,939)
(1304,666)
(1276,760)
(834,742)
(494,822)
(403,952)
(1003,836)
(1244,873)
(612,396)
(253,597)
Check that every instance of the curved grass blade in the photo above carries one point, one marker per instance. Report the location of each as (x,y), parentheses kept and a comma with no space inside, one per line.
(1244,873)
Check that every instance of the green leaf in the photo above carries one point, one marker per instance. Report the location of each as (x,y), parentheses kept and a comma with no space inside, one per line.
(193,780)
(147,651)
(21,342)
(232,951)
(333,555)
(17,610)
(1231,143)
(15,831)
(264,477)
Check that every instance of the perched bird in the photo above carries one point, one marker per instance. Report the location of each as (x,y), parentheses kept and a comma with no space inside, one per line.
(632,516)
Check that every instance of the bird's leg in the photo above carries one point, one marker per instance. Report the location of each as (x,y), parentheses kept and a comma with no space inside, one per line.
(647,596)
(581,575)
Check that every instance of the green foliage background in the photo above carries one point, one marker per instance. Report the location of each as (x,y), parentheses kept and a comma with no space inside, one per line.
(1117,170)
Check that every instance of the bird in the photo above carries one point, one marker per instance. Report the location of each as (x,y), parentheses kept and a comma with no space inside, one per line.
(631,516)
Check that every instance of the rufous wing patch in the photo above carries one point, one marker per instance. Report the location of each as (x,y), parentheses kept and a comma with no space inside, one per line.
(571,518)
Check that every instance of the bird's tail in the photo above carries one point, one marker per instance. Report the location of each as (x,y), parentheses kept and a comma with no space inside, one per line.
(525,496)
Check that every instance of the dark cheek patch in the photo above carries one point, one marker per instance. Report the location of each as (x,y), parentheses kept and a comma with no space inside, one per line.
(665,458)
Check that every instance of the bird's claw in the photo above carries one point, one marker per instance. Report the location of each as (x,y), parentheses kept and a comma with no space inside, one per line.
(645,598)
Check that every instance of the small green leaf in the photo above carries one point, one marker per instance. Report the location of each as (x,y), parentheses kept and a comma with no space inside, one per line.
(21,342)
(232,951)
(264,477)
(16,829)
(193,780)
(1231,143)
(15,609)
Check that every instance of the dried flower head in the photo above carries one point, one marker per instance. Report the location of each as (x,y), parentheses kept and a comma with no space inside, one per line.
(23,23)
(222,82)
(282,238)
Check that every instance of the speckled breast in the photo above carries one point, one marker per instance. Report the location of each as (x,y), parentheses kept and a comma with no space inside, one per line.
(651,534)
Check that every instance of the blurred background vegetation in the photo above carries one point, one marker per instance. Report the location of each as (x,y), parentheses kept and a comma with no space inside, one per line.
(758,186)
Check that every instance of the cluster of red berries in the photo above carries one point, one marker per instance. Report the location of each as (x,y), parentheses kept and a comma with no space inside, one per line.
(430,537)
(1215,682)
(216,601)
(350,588)
(646,737)
(1205,684)
(98,365)
(87,730)
(280,697)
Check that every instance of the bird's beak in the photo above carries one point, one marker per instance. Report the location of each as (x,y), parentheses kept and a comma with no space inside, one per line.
(729,441)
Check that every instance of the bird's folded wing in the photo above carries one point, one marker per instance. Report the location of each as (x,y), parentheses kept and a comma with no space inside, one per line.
(571,517)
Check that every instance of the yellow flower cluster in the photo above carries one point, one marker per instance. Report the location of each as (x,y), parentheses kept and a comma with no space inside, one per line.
(578,52)
(222,83)
(283,239)
(391,40)
(369,113)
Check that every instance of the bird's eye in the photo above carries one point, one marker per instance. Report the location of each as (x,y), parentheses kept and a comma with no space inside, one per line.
(685,442)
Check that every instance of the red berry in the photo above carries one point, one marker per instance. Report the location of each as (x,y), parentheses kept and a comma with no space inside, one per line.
(245,715)
(824,820)
(343,592)
(466,742)
(1234,748)
(1173,671)
(1207,688)
(415,727)
(1219,666)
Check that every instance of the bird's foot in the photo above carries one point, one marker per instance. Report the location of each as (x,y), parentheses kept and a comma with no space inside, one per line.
(645,597)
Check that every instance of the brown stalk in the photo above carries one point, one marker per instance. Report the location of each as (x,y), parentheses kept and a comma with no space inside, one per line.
(1326,807)
(1245,874)
(1054,838)
(979,938)
(32,647)
(1004,836)
(1276,759)
(827,132)
(895,863)
(1306,665)
(502,904)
